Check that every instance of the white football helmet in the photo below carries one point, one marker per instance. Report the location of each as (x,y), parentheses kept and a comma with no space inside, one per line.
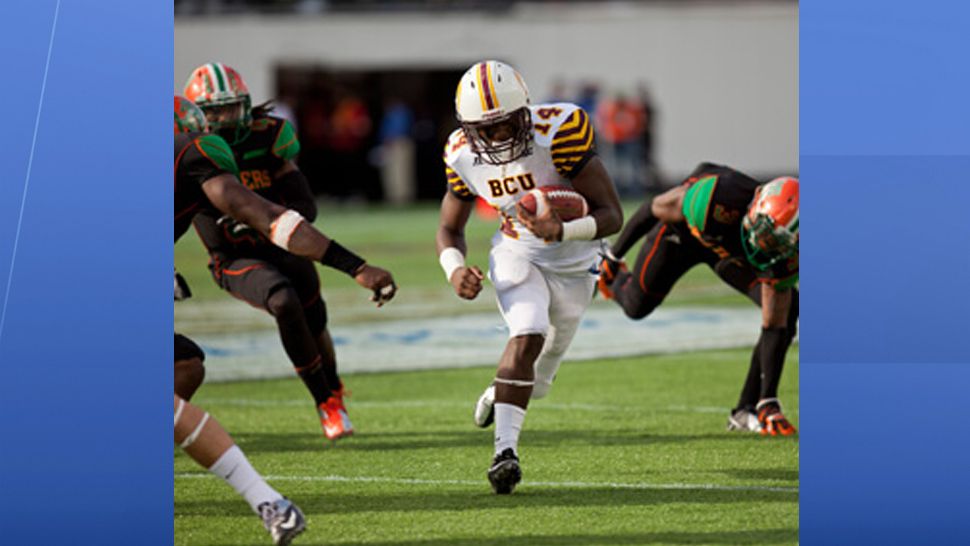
(492,101)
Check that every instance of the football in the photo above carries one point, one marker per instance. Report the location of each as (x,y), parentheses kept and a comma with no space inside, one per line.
(567,202)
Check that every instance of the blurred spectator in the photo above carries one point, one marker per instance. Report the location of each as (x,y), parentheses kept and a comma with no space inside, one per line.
(651,175)
(620,122)
(350,129)
(314,131)
(588,97)
(350,124)
(397,152)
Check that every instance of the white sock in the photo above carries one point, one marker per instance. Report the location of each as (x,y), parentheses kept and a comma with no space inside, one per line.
(234,467)
(508,425)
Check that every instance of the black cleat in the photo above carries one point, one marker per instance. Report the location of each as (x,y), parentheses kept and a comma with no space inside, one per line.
(505,473)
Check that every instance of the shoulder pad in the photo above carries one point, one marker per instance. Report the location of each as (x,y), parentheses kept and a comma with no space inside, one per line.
(456,144)
(548,118)
(216,150)
(286,146)
(572,142)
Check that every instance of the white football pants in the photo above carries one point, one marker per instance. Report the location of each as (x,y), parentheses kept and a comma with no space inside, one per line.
(539,301)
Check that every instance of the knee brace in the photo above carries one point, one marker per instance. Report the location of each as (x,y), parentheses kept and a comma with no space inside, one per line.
(284,302)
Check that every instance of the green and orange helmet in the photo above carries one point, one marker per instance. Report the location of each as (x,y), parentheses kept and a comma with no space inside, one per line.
(222,94)
(189,117)
(769,230)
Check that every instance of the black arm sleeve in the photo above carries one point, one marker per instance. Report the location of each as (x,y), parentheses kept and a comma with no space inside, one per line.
(294,191)
(639,225)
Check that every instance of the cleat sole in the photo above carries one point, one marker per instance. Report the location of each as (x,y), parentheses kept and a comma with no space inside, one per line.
(505,476)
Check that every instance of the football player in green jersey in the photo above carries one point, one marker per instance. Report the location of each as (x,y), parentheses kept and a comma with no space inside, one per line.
(205,177)
(246,264)
(744,230)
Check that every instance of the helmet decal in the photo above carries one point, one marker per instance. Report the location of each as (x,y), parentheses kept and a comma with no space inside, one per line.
(769,230)
(492,94)
(222,94)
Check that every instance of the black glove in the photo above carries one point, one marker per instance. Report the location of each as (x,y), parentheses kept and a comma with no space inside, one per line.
(237,232)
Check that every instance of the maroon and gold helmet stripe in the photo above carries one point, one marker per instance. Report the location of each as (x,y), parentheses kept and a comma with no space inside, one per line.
(572,142)
(486,87)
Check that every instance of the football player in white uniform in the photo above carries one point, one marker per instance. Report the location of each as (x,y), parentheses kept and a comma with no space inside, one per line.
(541,267)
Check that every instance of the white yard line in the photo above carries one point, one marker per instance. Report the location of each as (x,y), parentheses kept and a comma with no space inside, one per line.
(564,485)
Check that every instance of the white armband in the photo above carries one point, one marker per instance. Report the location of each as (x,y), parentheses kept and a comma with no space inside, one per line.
(282,229)
(580,229)
(451,259)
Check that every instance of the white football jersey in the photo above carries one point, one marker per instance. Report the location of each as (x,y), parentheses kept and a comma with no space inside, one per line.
(562,143)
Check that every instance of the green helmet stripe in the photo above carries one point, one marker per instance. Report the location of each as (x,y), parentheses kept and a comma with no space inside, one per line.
(217,69)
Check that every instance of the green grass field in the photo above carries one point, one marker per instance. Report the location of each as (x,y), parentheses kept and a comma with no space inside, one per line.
(402,240)
(624,451)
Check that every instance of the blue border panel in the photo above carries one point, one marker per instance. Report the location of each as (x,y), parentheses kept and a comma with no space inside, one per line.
(883,453)
(886,247)
(883,77)
(886,238)
(85,454)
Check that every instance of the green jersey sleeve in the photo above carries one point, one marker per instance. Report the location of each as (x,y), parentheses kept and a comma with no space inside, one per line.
(788,282)
(697,201)
(217,151)
(286,146)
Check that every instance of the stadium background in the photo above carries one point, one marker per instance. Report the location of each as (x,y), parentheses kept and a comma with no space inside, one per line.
(722,76)
(370,87)
(373,105)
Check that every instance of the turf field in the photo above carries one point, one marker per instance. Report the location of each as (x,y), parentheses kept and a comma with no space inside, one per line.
(625,451)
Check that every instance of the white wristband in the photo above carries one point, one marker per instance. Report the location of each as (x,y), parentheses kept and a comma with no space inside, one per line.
(451,259)
(580,229)
(281,230)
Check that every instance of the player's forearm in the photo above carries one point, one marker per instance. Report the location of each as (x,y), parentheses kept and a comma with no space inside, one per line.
(668,206)
(450,238)
(308,242)
(609,220)
(594,183)
(639,225)
(250,209)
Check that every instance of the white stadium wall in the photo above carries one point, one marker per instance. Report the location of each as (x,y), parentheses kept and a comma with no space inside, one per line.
(724,78)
